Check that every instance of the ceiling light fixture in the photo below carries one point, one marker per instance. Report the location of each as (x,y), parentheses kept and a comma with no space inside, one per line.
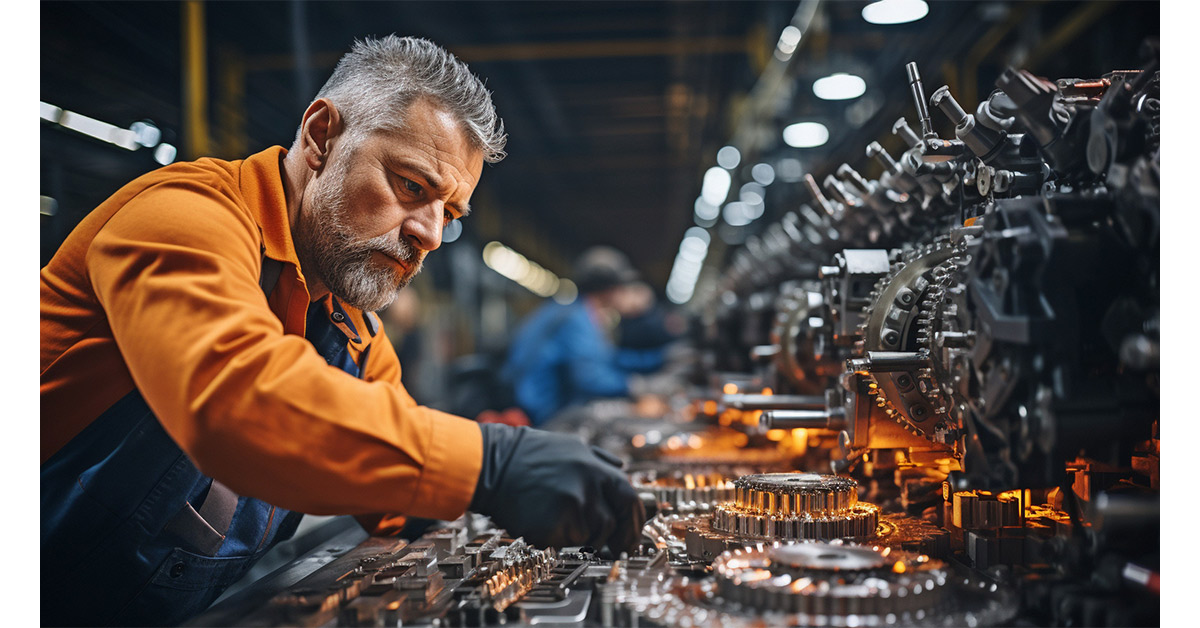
(805,135)
(895,11)
(839,86)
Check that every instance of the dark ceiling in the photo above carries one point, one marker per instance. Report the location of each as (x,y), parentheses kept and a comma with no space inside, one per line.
(614,109)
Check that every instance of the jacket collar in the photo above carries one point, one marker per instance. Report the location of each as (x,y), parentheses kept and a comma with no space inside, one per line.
(261,182)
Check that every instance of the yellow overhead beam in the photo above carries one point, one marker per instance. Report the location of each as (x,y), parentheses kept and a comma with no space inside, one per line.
(195,82)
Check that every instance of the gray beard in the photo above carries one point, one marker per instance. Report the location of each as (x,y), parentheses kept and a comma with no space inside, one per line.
(327,246)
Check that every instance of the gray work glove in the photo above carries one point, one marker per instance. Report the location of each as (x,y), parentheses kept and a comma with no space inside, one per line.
(555,491)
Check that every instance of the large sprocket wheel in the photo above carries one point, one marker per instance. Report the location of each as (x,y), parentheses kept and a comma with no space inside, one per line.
(891,323)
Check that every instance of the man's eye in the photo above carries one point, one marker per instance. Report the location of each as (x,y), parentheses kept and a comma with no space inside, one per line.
(411,186)
(447,216)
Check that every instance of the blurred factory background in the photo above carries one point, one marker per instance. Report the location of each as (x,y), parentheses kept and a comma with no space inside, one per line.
(673,131)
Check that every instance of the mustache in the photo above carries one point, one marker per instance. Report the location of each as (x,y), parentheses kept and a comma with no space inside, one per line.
(400,249)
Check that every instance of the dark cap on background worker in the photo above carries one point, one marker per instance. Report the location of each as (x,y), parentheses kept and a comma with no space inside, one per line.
(601,268)
(562,355)
(211,365)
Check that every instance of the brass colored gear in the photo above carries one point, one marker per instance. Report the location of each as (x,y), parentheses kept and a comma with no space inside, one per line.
(796,506)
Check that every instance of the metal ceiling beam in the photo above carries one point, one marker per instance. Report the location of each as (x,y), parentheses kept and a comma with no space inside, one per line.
(544,51)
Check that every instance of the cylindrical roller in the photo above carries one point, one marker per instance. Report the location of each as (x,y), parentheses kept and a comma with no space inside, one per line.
(801,419)
(773,402)
(889,361)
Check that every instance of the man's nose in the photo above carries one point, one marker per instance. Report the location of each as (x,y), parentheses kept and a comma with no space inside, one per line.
(423,227)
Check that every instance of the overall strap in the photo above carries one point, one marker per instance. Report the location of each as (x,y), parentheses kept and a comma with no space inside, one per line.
(205,528)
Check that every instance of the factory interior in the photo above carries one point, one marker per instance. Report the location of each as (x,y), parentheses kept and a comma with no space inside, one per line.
(877,285)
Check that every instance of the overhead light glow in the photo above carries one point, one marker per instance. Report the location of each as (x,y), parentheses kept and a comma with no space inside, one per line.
(688,262)
(716,185)
(102,131)
(567,292)
(165,154)
(706,211)
(805,135)
(736,214)
(728,158)
(788,40)
(839,86)
(138,135)
(699,234)
(452,231)
(752,193)
(528,274)
(763,173)
(50,112)
(790,170)
(895,11)
(146,133)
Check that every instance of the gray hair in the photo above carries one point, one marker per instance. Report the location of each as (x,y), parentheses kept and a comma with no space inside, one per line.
(378,79)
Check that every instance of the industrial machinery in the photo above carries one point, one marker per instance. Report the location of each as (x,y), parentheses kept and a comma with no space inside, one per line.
(926,398)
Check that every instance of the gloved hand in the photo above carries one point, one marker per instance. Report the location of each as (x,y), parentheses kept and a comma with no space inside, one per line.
(555,491)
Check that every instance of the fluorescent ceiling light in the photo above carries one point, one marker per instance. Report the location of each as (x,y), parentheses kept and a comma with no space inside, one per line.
(805,135)
(895,11)
(839,86)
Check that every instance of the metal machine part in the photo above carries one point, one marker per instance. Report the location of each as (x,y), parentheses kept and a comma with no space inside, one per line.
(694,489)
(988,324)
(796,506)
(815,584)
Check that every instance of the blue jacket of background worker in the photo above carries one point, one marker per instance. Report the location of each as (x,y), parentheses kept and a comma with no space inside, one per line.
(561,356)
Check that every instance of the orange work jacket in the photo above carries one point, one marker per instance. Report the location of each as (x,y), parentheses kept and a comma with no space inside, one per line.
(158,289)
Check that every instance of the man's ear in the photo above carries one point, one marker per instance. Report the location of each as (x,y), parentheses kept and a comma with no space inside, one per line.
(321,124)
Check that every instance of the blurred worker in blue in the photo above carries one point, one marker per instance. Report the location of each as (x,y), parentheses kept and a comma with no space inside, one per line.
(563,355)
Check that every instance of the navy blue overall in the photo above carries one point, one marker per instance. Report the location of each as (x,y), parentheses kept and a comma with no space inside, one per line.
(133,533)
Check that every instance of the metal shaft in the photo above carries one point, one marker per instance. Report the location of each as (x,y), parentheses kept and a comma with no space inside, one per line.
(773,402)
(876,151)
(805,419)
(887,361)
(918,94)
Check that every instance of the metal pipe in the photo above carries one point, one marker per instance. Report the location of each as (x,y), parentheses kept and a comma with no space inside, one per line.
(889,361)
(918,94)
(802,419)
(773,402)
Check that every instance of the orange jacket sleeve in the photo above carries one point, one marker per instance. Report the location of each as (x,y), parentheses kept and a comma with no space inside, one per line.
(176,271)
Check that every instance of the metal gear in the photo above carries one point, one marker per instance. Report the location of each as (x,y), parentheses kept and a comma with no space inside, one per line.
(893,321)
(830,579)
(686,489)
(796,506)
(812,584)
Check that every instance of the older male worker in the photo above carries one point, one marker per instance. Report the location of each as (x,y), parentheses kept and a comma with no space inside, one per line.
(211,366)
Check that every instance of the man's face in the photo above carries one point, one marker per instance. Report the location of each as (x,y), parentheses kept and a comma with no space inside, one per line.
(376,208)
